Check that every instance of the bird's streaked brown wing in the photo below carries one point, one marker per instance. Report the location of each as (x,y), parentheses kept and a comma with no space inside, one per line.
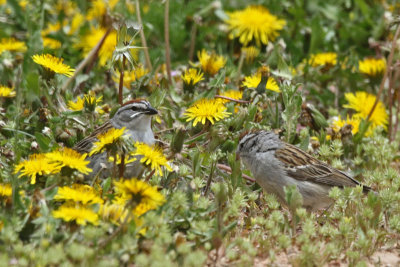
(302,166)
(85,145)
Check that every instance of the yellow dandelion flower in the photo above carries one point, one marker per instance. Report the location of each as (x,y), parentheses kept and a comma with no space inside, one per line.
(117,213)
(323,59)
(7,91)
(234,94)
(293,71)
(211,63)
(76,22)
(3,2)
(37,164)
(91,39)
(84,194)
(80,214)
(206,109)
(51,28)
(362,103)
(23,3)
(338,123)
(152,155)
(53,64)
(144,196)
(254,23)
(68,157)
(107,138)
(102,109)
(254,80)
(5,190)
(372,66)
(99,8)
(91,100)
(250,53)
(131,76)
(51,43)
(88,99)
(12,44)
(114,212)
(128,159)
(192,76)
(76,106)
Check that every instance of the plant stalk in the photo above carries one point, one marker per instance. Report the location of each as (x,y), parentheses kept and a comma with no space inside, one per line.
(142,37)
(122,166)
(232,99)
(393,130)
(239,71)
(166,38)
(388,68)
(193,34)
(92,54)
(229,170)
(121,82)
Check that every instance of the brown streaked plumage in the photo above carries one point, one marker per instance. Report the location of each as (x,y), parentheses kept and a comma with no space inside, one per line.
(85,145)
(303,166)
(276,164)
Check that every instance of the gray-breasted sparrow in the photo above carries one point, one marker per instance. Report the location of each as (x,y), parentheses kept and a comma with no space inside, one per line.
(276,164)
(135,116)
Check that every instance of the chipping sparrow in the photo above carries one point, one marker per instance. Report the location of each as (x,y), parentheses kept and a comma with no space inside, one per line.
(135,115)
(276,164)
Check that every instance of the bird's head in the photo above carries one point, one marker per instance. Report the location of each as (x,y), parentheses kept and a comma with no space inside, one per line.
(135,114)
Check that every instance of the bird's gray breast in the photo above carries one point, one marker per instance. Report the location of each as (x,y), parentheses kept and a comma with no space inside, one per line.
(146,137)
(268,171)
(102,166)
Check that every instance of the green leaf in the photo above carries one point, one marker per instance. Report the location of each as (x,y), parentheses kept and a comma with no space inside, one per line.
(318,35)
(252,112)
(32,83)
(218,80)
(157,97)
(43,141)
(106,185)
(81,78)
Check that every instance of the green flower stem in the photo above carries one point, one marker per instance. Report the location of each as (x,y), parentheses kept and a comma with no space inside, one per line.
(121,81)
(210,178)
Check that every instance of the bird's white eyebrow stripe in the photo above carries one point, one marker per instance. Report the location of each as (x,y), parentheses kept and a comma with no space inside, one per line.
(135,114)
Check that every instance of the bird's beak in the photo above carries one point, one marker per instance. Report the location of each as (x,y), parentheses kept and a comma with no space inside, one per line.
(237,156)
(151,111)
